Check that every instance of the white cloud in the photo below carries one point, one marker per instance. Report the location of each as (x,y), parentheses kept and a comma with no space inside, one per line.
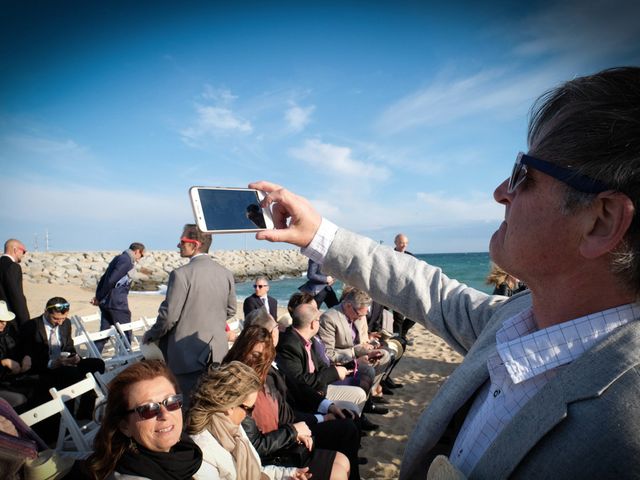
(298,117)
(214,121)
(441,208)
(218,95)
(337,160)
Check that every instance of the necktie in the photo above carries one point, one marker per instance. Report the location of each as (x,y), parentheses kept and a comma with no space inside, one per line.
(311,365)
(264,302)
(54,344)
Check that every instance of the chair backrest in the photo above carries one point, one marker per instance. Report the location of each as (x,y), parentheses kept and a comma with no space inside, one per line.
(42,412)
(138,325)
(80,437)
(85,347)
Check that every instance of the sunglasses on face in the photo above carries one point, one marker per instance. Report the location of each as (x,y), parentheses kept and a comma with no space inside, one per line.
(59,307)
(260,286)
(580,182)
(247,409)
(189,240)
(152,409)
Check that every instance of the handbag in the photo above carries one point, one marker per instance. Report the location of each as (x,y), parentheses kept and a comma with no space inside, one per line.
(296,455)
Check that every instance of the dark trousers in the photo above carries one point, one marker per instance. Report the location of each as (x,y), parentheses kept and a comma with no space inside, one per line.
(401,324)
(342,435)
(109,318)
(328,296)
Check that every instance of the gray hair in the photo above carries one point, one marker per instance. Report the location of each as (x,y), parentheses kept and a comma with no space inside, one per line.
(591,124)
(356,298)
(259,317)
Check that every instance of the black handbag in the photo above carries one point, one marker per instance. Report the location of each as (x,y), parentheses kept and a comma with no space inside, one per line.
(296,455)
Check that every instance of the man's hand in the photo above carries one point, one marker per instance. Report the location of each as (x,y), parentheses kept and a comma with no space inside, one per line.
(94,301)
(342,372)
(335,411)
(26,364)
(303,223)
(302,474)
(330,280)
(11,365)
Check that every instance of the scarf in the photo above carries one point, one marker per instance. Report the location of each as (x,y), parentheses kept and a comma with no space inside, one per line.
(230,437)
(181,463)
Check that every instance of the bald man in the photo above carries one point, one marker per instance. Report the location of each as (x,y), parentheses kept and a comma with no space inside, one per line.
(401,324)
(11,280)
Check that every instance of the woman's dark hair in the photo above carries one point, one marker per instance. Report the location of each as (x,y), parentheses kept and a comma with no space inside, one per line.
(241,350)
(110,443)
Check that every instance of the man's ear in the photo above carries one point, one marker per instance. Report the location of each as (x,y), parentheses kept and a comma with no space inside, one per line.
(606,224)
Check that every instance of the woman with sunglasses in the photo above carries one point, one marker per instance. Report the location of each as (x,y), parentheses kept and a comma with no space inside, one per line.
(280,435)
(222,400)
(141,433)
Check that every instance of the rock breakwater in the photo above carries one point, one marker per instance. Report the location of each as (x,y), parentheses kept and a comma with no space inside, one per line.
(86,268)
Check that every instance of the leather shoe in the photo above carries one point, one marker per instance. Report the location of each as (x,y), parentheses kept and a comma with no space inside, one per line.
(363,460)
(386,390)
(391,384)
(371,407)
(379,399)
(367,425)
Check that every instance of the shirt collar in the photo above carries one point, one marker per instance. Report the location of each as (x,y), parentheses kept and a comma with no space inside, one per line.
(307,343)
(528,352)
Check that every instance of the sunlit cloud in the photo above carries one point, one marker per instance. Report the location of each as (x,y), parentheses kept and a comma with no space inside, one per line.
(298,117)
(336,160)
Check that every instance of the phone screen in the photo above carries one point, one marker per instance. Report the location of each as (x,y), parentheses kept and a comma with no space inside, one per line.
(224,209)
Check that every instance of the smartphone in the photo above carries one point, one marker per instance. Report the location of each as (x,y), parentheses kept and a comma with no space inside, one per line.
(229,210)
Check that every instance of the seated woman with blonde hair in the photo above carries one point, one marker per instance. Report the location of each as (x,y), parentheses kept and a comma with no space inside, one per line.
(223,398)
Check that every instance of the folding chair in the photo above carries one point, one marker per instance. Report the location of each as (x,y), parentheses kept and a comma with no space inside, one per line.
(132,346)
(72,436)
(42,412)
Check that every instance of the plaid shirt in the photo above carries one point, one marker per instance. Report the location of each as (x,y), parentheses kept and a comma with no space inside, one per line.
(524,361)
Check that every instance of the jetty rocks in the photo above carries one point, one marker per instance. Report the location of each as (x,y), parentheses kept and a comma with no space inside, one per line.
(86,268)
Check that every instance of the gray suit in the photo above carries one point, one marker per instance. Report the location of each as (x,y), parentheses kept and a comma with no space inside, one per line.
(585,423)
(191,322)
(335,333)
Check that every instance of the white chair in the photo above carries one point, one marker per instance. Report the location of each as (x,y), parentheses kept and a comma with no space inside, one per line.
(86,322)
(42,412)
(72,436)
(137,326)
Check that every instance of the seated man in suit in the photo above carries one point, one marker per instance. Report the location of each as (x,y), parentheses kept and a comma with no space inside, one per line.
(48,341)
(343,331)
(261,298)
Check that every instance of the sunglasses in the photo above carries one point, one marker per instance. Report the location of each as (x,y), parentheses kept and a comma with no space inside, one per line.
(260,286)
(247,409)
(59,307)
(152,409)
(580,182)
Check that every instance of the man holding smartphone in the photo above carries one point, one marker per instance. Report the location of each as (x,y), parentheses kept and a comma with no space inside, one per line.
(191,322)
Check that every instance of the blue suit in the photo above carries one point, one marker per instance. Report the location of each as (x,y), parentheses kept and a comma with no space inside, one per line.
(112,292)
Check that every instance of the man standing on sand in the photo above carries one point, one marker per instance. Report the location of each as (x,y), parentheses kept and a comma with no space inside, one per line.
(549,384)
(402,324)
(112,294)
(191,322)
(11,280)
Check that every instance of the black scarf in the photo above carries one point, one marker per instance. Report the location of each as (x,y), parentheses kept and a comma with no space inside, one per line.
(181,463)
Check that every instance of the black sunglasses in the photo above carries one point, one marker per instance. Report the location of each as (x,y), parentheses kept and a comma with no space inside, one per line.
(59,307)
(260,286)
(152,409)
(580,182)
(247,409)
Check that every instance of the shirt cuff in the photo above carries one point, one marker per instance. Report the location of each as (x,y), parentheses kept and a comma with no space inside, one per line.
(319,246)
(320,418)
(324,406)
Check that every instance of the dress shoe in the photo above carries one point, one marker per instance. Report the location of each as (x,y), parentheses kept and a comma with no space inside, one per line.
(391,384)
(367,425)
(371,407)
(386,390)
(363,460)
(379,400)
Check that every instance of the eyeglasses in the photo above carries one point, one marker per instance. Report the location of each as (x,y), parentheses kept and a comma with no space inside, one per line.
(152,409)
(260,286)
(576,180)
(22,249)
(59,307)
(248,410)
(189,240)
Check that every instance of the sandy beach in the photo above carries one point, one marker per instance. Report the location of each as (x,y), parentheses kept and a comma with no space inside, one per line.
(423,368)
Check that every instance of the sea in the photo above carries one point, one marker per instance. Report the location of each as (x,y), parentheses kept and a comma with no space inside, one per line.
(469,268)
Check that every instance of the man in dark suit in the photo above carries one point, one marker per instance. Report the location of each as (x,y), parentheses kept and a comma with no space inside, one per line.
(47,340)
(201,297)
(11,280)
(319,286)
(261,298)
(113,289)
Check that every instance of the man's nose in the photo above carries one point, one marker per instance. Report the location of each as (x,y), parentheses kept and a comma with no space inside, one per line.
(500,194)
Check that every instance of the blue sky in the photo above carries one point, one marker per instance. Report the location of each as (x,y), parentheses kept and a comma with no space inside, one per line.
(389,116)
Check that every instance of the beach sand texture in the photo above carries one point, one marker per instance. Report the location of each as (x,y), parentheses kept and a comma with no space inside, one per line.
(422,370)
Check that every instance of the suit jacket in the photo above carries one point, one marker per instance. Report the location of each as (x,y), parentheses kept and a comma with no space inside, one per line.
(584,423)
(113,287)
(254,302)
(191,322)
(11,289)
(335,333)
(293,360)
(35,342)
(317,281)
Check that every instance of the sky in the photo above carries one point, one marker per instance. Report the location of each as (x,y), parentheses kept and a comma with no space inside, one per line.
(389,116)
